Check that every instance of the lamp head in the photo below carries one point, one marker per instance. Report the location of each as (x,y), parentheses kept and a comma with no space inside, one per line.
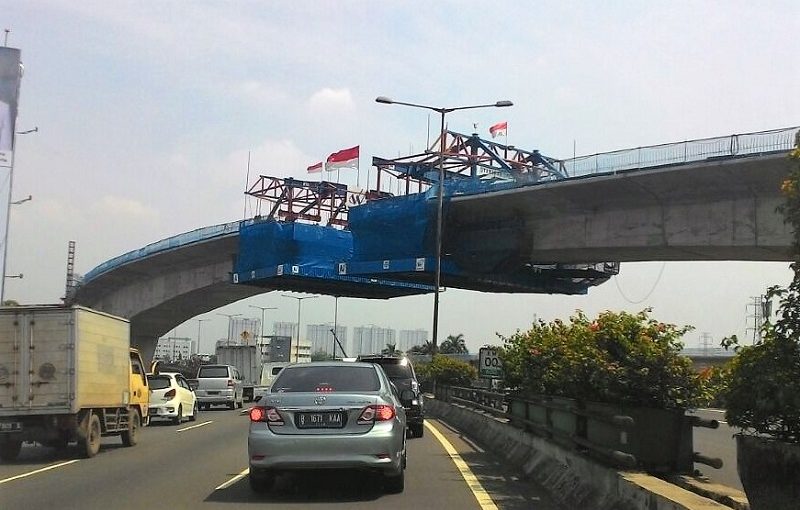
(501,104)
(383,99)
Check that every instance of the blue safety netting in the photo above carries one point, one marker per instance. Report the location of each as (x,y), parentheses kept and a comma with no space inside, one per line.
(269,243)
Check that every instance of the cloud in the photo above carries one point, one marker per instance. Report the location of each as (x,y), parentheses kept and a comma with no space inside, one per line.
(262,93)
(328,100)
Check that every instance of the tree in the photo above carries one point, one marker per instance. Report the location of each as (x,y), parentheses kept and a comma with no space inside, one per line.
(10,302)
(426,348)
(391,350)
(321,356)
(454,345)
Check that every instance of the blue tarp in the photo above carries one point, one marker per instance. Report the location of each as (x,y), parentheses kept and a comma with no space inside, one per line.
(269,243)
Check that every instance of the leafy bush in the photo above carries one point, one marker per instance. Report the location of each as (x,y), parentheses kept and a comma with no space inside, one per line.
(446,370)
(618,358)
(763,395)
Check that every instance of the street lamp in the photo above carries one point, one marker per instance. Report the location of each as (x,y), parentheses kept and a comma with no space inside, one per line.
(199,322)
(440,193)
(299,301)
(263,309)
(230,317)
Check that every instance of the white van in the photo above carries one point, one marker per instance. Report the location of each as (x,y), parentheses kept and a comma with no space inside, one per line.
(269,371)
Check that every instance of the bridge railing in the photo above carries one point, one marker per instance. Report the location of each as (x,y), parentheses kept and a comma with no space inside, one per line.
(653,439)
(762,142)
(200,234)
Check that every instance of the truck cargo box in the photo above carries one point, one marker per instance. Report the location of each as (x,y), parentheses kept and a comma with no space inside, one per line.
(56,359)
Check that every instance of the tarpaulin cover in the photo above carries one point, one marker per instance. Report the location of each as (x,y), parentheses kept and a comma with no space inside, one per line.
(269,243)
(394,228)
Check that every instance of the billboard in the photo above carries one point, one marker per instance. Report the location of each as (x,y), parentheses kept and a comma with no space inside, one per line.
(9,93)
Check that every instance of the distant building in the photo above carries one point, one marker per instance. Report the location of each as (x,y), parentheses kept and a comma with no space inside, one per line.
(321,338)
(285,329)
(371,339)
(408,338)
(175,348)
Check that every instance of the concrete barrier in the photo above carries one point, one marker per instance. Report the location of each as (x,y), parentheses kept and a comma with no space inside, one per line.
(574,480)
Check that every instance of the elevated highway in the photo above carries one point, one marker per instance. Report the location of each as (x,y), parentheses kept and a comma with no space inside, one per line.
(546,229)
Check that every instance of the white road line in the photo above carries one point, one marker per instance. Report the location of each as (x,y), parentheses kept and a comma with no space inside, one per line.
(48,468)
(233,480)
(195,426)
(484,500)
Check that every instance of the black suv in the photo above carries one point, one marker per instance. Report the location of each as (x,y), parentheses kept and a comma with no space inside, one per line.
(401,372)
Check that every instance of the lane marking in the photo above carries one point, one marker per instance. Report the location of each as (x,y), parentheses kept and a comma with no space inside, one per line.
(195,426)
(484,500)
(233,480)
(48,468)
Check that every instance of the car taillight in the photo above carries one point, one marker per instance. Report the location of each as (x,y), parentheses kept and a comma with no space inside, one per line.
(230,383)
(379,412)
(266,414)
(170,394)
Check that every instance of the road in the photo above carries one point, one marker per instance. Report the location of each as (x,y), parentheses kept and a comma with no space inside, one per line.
(203,465)
(717,443)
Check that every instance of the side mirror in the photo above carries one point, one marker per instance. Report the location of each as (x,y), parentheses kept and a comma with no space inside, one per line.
(407,396)
(193,383)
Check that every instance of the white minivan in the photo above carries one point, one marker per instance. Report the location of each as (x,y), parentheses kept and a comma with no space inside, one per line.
(269,372)
(219,385)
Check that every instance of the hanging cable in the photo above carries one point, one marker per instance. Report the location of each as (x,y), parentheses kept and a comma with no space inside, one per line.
(650,293)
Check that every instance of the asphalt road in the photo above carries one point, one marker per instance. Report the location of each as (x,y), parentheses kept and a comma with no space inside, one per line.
(203,465)
(717,443)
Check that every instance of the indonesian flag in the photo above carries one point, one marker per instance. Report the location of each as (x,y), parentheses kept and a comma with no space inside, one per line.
(345,158)
(498,129)
(315,169)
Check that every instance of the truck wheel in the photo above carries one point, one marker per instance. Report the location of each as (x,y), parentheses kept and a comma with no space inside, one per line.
(178,416)
(131,436)
(9,449)
(91,441)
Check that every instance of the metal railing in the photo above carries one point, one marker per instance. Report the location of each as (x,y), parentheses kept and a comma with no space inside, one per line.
(653,439)
(748,144)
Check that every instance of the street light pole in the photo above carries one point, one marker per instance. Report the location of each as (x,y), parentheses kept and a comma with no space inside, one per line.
(263,309)
(299,301)
(199,322)
(440,195)
(230,317)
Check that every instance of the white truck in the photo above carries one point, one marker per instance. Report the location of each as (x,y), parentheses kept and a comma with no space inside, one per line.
(68,374)
(247,361)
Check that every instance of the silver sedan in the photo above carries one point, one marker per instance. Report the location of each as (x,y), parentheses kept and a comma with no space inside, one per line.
(328,415)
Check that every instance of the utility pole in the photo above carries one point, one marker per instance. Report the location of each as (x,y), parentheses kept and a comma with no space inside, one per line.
(705,341)
(757,317)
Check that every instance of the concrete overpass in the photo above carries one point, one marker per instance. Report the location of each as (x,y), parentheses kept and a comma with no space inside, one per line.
(714,209)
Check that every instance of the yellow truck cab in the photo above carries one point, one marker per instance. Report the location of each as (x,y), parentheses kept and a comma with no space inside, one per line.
(140,390)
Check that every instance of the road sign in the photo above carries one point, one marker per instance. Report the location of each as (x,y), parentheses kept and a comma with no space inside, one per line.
(490,365)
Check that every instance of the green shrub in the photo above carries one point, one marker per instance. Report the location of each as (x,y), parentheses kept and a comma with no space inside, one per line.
(619,358)
(445,370)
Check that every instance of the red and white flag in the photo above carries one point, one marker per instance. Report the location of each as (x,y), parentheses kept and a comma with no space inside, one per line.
(499,129)
(345,158)
(315,169)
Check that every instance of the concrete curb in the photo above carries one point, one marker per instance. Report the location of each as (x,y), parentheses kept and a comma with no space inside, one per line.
(574,480)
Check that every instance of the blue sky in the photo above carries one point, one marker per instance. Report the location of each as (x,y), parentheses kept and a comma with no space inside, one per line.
(147,111)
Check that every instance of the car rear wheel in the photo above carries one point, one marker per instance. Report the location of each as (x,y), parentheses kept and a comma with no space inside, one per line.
(418,429)
(178,416)
(193,417)
(395,484)
(9,449)
(232,405)
(260,480)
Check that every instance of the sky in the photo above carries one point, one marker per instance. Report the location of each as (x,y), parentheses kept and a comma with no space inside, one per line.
(147,112)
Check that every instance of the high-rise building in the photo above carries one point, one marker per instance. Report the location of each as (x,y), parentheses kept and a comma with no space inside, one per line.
(285,329)
(408,338)
(175,348)
(371,339)
(321,338)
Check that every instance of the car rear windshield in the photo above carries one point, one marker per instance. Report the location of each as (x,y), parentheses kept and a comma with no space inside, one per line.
(213,372)
(328,379)
(158,382)
(394,368)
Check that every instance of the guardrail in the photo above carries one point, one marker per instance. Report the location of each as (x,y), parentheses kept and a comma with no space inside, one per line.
(656,440)
(748,144)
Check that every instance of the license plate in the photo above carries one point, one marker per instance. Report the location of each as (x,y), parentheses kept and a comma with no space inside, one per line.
(327,420)
(213,392)
(10,426)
